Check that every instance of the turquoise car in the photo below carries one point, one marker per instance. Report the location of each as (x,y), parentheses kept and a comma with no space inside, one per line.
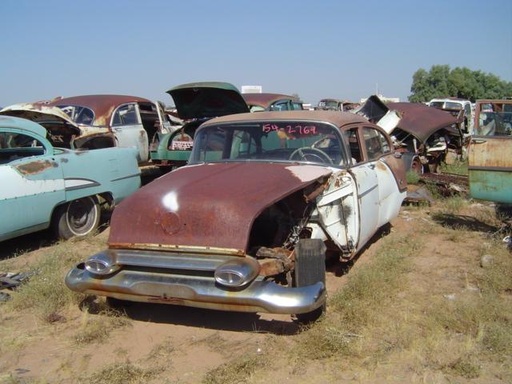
(46,185)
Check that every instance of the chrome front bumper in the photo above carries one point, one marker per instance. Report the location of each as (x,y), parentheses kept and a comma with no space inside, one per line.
(163,277)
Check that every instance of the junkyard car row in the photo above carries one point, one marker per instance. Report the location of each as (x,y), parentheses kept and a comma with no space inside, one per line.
(261,193)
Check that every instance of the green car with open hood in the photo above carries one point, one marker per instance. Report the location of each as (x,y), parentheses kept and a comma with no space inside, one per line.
(195,104)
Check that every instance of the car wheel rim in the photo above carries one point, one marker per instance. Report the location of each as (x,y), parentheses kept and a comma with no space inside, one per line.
(81,216)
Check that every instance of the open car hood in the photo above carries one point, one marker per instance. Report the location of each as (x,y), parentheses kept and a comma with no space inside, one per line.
(207,100)
(61,130)
(206,206)
(417,119)
(42,114)
(423,121)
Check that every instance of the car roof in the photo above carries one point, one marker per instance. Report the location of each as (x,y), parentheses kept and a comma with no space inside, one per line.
(21,123)
(336,118)
(98,103)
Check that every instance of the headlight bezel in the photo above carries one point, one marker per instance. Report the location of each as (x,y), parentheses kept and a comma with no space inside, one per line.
(101,264)
(237,273)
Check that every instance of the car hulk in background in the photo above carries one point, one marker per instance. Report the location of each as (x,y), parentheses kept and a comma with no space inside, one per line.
(100,121)
(249,223)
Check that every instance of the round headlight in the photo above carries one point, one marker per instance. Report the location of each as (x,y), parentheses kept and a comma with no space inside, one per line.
(101,264)
(237,273)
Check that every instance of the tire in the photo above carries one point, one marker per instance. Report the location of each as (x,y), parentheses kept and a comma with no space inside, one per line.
(309,269)
(77,218)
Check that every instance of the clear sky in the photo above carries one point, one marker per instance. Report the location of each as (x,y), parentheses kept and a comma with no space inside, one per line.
(317,49)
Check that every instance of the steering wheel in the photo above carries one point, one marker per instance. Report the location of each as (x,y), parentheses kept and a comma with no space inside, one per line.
(310,154)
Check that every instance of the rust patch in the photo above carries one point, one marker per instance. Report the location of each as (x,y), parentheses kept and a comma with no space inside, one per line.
(274,261)
(36,167)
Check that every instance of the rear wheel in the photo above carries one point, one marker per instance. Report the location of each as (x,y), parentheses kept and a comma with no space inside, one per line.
(77,218)
(309,269)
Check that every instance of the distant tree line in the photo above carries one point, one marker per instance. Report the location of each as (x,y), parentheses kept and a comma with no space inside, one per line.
(441,81)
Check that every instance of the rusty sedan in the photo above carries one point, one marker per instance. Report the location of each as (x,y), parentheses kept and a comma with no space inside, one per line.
(250,222)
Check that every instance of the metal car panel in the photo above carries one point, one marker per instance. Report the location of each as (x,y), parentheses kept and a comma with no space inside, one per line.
(490,170)
(20,191)
(489,160)
(173,211)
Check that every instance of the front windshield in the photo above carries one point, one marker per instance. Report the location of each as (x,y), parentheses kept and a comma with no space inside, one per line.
(269,141)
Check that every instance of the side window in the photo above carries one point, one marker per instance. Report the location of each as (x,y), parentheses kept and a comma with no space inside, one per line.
(354,145)
(376,143)
(14,146)
(126,115)
(86,116)
(279,106)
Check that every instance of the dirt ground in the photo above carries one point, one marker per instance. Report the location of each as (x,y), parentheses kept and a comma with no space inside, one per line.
(185,343)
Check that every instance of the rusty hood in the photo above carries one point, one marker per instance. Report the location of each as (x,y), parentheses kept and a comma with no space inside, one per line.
(207,206)
(42,114)
(423,121)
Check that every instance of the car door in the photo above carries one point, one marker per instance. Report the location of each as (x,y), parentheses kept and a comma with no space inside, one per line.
(364,172)
(489,160)
(32,185)
(390,171)
(489,170)
(129,130)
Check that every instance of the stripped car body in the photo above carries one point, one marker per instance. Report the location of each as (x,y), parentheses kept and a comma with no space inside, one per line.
(426,135)
(489,159)
(195,103)
(103,121)
(259,102)
(47,186)
(248,224)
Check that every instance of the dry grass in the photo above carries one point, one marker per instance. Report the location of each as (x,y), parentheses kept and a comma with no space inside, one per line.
(375,320)
(239,370)
(421,306)
(121,373)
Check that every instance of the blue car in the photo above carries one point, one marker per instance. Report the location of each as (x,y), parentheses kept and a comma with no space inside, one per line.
(46,185)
